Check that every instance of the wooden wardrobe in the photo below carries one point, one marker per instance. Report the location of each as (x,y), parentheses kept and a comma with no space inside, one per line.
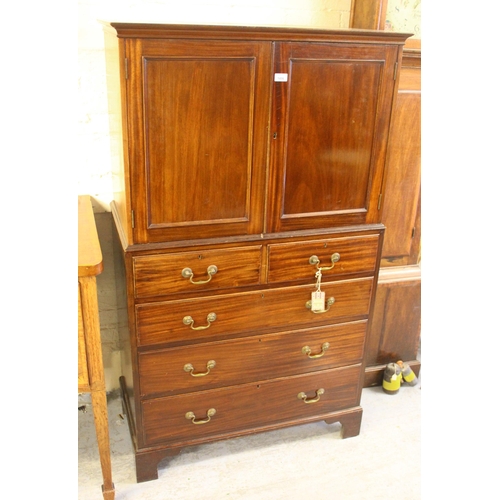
(395,330)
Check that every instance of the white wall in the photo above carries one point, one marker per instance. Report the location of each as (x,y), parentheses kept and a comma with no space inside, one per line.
(93,161)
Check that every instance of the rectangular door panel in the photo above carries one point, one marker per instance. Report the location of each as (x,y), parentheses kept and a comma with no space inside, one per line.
(200,110)
(330,127)
(200,131)
(329,135)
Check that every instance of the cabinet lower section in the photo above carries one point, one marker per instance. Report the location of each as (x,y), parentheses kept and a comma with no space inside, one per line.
(192,418)
(241,350)
(176,422)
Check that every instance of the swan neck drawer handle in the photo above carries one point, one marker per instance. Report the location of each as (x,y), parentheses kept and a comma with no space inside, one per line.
(303,396)
(329,303)
(188,273)
(314,261)
(191,416)
(307,351)
(189,321)
(190,369)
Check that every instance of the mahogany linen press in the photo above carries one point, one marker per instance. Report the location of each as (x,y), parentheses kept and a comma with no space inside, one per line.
(247,206)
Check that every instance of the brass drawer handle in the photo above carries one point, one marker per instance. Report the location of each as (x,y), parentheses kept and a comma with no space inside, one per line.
(314,260)
(307,351)
(329,303)
(188,273)
(191,416)
(303,396)
(189,321)
(190,368)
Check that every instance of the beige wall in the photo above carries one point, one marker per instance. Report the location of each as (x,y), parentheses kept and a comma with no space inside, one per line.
(94,157)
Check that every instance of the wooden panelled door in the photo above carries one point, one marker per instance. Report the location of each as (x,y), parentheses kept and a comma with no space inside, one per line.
(201,173)
(329,134)
(401,214)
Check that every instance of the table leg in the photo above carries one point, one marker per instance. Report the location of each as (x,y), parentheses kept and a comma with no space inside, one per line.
(100,409)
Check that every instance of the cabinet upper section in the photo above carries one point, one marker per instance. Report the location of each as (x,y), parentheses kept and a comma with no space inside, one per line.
(236,131)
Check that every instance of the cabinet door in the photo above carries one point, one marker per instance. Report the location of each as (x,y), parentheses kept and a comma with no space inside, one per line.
(331,115)
(401,212)
(198,114)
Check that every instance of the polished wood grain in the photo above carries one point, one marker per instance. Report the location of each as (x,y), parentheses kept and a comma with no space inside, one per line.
(250,149)
(329,136)
(90,365)
(401,210)
(249,406)
(147,459)
(119,158)
(198,162)
(83,371)
(395,330)
(89,250)
(225,148)
(246,33)
(289,262)
(250,359)
(161,323)
(156,275)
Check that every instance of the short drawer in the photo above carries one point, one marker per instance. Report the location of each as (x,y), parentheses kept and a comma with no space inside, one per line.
(192,320)
(192,418)
(300,260)
(156,275)
(232,362)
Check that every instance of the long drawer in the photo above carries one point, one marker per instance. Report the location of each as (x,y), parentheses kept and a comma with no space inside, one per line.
(206,270)
(191,418)
(232,362)
(179,321)
(290,262)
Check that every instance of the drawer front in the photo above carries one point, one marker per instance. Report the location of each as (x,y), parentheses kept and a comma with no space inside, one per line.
(231,362)
(156,275)
(292,261)
(223,316)
(248,406)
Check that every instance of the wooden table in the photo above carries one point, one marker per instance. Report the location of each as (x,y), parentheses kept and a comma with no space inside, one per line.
(90,366)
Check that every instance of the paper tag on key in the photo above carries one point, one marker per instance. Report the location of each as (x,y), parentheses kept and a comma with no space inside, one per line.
(318,297)
(318,301)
